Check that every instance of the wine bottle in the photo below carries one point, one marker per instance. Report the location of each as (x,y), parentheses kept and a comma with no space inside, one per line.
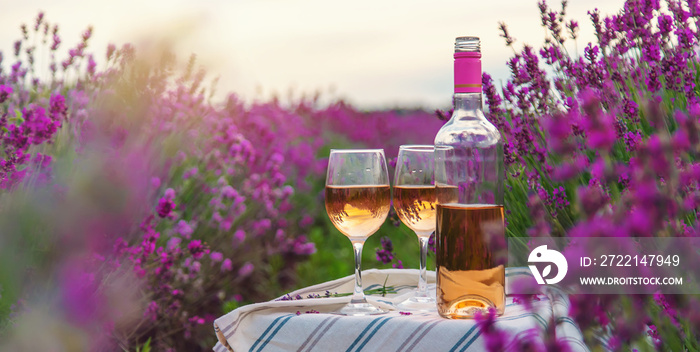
(470,233)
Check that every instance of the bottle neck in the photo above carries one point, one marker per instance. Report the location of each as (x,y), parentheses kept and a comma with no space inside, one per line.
(467,102)
(467,72)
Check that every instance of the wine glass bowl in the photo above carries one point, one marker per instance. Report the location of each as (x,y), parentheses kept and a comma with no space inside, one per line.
(357,211)
(415,203)
(358,199)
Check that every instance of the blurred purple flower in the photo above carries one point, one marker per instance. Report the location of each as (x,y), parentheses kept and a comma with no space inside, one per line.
(197,249)
(239,236)
(165,207)
(246,269)
(495,340)
(216,257)
(5,92)
(226,265)
(229,192)
(190,172)
(302,247)
(58,109)
(183,228)
(306,221)
(385,254)
(152,311)
(173,242)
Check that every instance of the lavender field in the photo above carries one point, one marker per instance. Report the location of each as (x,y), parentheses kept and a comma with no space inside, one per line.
(135,208)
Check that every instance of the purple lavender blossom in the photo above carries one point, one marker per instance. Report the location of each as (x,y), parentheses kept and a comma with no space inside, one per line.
(197,249)
(165,207)
(239,236)
(301,247)
(495,340)
(246,269)
(385,254)
(152,311)
(183,228)
(58,109)
(226,265)
(216,257)
(5,92)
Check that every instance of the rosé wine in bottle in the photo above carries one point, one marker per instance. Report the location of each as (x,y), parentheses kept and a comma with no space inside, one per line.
(470,232)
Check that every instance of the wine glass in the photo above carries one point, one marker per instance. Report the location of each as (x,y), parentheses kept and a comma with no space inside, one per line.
(358,199)
(414,201)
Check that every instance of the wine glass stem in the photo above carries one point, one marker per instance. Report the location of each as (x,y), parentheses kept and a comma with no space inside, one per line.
(423,280)
(358,296)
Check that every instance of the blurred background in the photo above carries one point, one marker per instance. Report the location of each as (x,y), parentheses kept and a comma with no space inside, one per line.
(372,53)
(143,205)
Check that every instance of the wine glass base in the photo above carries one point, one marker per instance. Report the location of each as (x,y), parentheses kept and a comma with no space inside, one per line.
(359,309)
(418,304)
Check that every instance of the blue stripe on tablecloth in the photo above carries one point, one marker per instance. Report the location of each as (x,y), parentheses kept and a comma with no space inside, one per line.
(463,338)
(269,327)
(537,318)
(403,287)
(233,324)
(274,322)
(313,333)
(372,334)
(471,341)
(478,333)
(517,337)
(275,332)
(541,320)
(357,340)
(318,338)
(422,335)
(412,335)
(570,321)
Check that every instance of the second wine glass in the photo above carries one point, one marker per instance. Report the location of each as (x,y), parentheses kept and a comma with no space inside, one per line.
(414,201)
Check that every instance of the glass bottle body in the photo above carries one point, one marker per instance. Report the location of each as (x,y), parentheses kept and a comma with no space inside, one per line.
(470,232)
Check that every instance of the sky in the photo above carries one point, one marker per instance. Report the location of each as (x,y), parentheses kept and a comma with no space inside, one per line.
(373,53)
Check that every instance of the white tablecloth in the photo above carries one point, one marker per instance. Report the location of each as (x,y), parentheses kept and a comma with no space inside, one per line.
(276,326)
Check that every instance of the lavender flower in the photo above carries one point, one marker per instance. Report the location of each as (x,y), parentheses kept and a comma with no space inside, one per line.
(197,249)
(385,254)
(246,269)
(165,207)
(495,340)
(5,92)
(216,257)
(226,265)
